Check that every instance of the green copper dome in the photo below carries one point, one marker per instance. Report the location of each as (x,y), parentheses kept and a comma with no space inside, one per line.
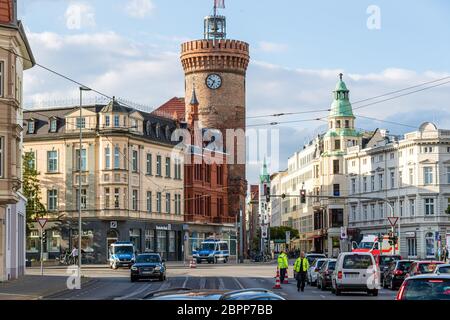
(341,106)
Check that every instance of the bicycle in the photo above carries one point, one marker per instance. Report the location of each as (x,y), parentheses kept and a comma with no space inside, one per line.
(66,258)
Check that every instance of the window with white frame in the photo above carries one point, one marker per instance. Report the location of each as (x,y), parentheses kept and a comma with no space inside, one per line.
(168,206)
(372,183)
(53,125)
(392,156)
(81,164)
(392,178)
(372,211)
(83,199)
(365,184)
(2,156)
(52,200)
(400,179)
(412,207)
(33,243)
(116,121)
(412,247)
(448,175)
(149,201)
(429,206)
(31,127)
(52,161)
(380,158)
(133,124)
(353,213)
(167,167)
(411,176)
(178,204)
(428,175)
(81,123)
(178,169)
(107,158)
(116,198)
(158,202)
(107,121)
(135,160)
(107,197)
(149,164)
(381,210)
(380,181)
(135,200)
(400,204)
(353,185)
(158,166)
(429,244)
(427,149)
(365,212)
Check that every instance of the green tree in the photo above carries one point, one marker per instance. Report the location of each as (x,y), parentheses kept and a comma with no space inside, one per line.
(31,190)
(279,233)
(448,210)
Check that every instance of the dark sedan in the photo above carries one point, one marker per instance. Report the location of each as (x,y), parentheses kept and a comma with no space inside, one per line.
(324,276)
(188,294)
(384,262)
(394,275)
(148,266)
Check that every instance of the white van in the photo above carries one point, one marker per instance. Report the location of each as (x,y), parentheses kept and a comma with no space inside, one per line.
(355,271)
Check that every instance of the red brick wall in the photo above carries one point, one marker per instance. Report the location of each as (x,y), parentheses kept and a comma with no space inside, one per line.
(6,11)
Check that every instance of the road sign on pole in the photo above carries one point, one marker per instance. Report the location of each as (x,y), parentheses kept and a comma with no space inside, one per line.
(42,222)
(393,220)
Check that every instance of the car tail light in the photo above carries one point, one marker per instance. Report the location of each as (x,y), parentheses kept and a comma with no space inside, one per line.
(436,281)
(401,292)
(340,275)
(398,272)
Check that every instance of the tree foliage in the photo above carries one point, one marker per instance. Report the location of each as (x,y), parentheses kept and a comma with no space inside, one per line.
(279,233)
(31,189)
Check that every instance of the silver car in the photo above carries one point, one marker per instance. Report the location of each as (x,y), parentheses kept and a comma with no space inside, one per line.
(313,271)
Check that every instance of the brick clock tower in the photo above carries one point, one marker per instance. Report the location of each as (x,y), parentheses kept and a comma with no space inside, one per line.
(215,70)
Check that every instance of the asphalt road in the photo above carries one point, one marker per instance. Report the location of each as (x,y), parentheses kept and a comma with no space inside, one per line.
(116,285)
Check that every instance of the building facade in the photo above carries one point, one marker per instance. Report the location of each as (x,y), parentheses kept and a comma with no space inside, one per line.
(132,180)
(15,57)
(412,174)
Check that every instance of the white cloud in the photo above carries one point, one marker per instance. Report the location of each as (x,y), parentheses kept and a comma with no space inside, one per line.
(272,47)
(80,15)
(139,8)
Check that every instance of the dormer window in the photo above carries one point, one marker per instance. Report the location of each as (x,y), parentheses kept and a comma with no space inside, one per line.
(53,125)
(167,132)
(148,128)
(107,121)
(81,123)
(158,126)
(347,123)
(31,126)
(133,124)
(116,121)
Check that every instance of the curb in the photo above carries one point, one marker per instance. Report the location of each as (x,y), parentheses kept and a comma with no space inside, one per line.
(85,282)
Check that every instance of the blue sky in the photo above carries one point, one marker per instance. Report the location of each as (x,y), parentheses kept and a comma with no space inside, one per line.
(130,48)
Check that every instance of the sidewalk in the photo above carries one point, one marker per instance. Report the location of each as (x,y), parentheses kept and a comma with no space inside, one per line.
(32,287)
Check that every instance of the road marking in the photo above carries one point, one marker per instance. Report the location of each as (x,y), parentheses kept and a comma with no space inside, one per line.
(135,293)
(322,296)
(221,284)
(238,283)
(185,282)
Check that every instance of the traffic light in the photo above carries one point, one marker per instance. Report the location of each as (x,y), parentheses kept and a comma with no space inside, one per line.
(44,237)
(267,194)
(303,196)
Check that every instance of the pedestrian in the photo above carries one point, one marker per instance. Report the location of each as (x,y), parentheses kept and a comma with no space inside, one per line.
(74,255)
(301,266)
(444,254)
(283,265)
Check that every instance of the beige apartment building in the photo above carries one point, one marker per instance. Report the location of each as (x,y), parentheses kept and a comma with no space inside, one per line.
(132,180)
(15,57)
(319,168)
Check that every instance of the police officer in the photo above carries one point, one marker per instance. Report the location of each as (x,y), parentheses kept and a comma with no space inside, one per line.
(301,266)
(282,265)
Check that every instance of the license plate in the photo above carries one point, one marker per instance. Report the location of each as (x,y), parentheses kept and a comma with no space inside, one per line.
(146,272)
(351,275)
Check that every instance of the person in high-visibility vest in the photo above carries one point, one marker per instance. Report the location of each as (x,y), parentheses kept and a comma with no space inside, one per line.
(283,265)
(301,267)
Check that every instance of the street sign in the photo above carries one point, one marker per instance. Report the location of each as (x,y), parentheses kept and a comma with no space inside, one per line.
(393,220)
(113,224)
(42,222)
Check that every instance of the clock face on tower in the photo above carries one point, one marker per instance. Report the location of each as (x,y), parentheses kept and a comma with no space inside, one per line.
(214,81)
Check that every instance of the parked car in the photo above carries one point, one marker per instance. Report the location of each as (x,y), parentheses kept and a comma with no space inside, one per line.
(355,271)
(442,269)
(422,267)
(425,287)
(148,266)
(384,261)
(212,250)
(324,276)
(313,271)
(189,294)
(313,256)
(395,274)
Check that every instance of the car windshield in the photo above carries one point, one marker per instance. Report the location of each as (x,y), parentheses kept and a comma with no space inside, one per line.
(365,245)
(385,260)
(320,263)
(445,269)
(427,289)
(357,262)
(403,266)
(208,246)
(123,250)
(312,258)
(148,258)
(427,267)
(331,265)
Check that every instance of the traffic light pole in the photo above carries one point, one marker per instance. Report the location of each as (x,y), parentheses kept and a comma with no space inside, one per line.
(42,252)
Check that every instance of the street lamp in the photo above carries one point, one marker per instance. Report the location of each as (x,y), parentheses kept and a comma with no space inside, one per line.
(82,88)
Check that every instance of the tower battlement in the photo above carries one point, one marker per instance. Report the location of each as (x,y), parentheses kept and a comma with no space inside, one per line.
(225,55)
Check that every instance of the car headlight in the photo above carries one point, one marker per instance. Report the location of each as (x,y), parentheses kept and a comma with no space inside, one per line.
(158,268)
(134,268)
(211,254)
